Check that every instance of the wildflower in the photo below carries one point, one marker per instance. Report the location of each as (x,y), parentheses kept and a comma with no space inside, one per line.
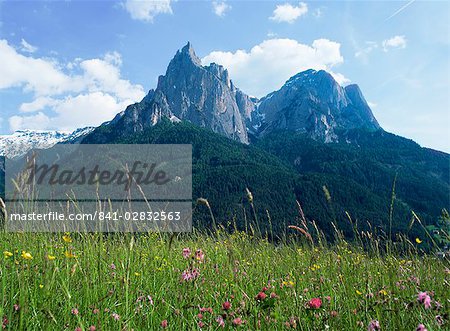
(315,303)
(220,321)
(16,307)
(7,254)
(199,255)
(78,328)
(261,296)
(186,252)
(418,241)
(74,311)
(421,327)
(26,255)
(5,322)
(67,238)
(41,286)
(69,255)
(374,325)
(383,292)
(334,313)
(226,305)
(358,292)
(112,266)
(200,324)
(95,311)
(137,274)
(237,321)
(115,316)
(164,324)
(200,316)
(439,320)
(92,328)
(427,302)
(51,257)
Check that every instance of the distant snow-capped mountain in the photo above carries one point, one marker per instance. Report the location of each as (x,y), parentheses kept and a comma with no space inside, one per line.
(20,142)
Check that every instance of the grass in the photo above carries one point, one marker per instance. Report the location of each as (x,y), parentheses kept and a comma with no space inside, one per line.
(134,282)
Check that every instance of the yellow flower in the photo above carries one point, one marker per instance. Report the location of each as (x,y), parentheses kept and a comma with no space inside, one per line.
(26,255)
(41,286)
(418,241)
(7,254)
(137,274)
(67,238)
(383,292)
(69,255)
(358,292)
(51,257)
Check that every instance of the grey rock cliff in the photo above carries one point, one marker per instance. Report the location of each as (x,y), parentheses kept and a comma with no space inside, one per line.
(314,103)
(202,95)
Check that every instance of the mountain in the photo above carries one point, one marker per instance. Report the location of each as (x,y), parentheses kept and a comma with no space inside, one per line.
(312,140)
(20,142)
(202,95)
(312,102)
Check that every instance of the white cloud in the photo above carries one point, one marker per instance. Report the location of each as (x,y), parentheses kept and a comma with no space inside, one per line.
(363,53)
(288,13)
(268,65)
(146,10)
(26,47)
(66,96)
(33,122)
(372,105)
(220,8)
(394,42)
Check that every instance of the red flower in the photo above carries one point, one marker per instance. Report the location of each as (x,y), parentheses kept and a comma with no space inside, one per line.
(164,324)
(226,305)
(315,303)
(261,296)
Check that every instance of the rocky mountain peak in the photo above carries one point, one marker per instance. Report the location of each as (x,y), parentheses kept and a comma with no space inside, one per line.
(313,102)
(202,95)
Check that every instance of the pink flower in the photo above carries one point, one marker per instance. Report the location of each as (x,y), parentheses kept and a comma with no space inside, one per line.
(261,296)
(112,266)
(74,311)
(237,321)
(374,325)
(226,305)
(186,253)
(427,302)
(421,296)
(220,321)
(421,327)
(92,328)
(199,255)
(315,303)
(164,324)
(78,329)
(201,324)
(95,311)
(115,316)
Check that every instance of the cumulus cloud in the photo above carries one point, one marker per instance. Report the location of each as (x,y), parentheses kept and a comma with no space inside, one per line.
(26,47)
(220,8)
(146,10)
(289,13)
(266,66)
(66,96)
(394,42)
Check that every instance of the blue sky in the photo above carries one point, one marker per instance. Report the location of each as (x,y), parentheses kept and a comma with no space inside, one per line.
(67,64)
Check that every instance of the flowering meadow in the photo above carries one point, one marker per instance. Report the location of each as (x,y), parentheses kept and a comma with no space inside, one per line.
(213,282)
